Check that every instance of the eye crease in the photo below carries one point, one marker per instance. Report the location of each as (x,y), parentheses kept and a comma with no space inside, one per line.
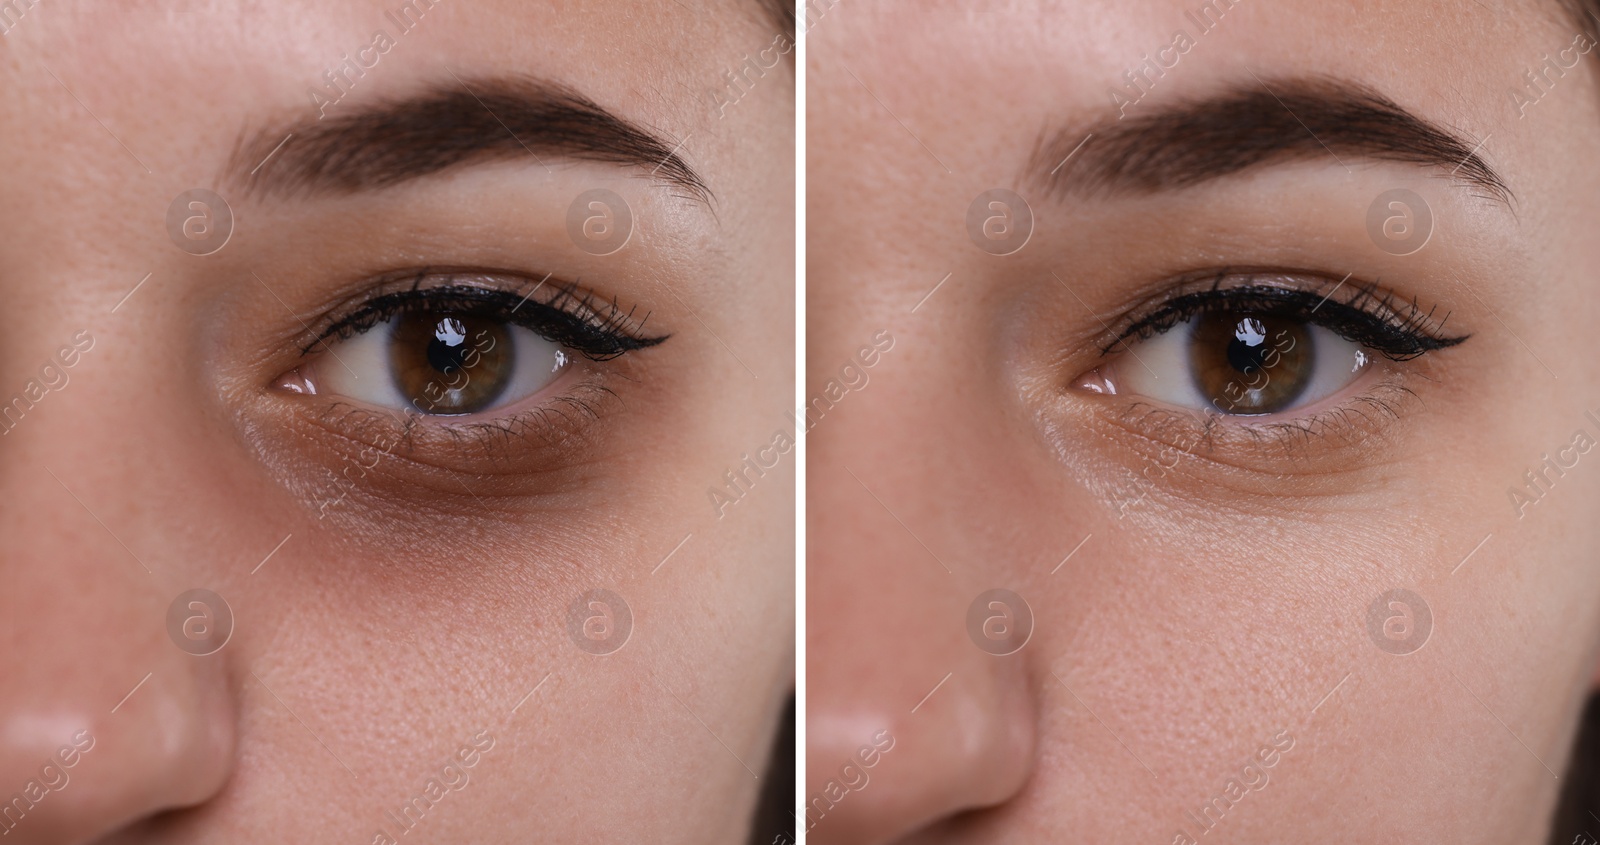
(1253,345)
(447,348)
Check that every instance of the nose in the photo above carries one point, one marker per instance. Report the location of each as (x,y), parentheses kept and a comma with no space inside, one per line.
(910,721)
(923,690)
(104,719)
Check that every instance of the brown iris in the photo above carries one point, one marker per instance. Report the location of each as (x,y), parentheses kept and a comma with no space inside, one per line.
(450,363)
(1250,363)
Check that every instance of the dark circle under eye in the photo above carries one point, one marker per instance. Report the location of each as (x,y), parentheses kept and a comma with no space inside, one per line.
(1249,363)
(450,363)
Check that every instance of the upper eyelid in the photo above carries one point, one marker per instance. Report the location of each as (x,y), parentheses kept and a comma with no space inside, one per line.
(1371,299)
(578,302)
(319,329)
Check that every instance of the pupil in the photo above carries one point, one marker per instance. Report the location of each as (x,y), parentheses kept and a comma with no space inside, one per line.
(451,363)
(1250,363)
(448,350)
(1248,351)
(1245,358)
(445,358)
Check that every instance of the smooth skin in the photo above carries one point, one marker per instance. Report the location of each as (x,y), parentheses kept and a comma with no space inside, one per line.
(1220,619)
(423,619)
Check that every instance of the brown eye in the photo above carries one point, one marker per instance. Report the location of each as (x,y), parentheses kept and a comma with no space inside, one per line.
(1250,363)
(441,362)
(450,363)
(1237,362)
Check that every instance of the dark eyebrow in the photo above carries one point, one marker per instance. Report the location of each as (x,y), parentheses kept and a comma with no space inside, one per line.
(1259,123)
(455,123)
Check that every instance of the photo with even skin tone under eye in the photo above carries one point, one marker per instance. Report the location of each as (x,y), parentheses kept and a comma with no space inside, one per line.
(395,437)
(1202,401)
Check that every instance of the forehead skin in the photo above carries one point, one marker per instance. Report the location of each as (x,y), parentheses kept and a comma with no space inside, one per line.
(135,68)
(390,659)
(1026,67)
(1194,632)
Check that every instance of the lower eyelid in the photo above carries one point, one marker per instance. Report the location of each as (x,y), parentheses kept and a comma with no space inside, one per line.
(1365,416)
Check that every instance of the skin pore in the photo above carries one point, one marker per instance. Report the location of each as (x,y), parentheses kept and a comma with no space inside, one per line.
(408,594)
(1204,663)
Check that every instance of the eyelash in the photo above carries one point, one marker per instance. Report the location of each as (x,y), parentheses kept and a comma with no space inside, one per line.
(1396,329)
(574,318)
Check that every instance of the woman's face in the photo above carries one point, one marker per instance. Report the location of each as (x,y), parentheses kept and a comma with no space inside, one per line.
(1215,648)
(331,404)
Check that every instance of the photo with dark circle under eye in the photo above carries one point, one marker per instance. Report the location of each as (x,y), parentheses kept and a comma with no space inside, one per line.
(1201,409)
(396,435)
